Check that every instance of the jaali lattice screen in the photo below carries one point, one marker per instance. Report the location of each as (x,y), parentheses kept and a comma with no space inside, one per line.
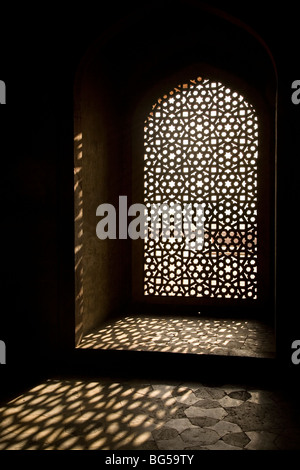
(201,147)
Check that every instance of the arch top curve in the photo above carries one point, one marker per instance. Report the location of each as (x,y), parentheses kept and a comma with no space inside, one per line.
(134,49)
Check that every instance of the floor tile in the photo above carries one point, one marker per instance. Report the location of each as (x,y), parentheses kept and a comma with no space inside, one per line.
(199,436)
(225,427)
(197,412)
(181,424)
(262,440)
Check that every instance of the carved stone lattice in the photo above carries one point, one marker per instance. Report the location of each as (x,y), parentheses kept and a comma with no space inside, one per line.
(201,147)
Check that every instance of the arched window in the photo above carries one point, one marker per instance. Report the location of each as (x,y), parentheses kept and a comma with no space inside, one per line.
(201,148)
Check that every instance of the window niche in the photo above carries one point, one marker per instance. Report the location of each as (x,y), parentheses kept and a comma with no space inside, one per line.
(118,82)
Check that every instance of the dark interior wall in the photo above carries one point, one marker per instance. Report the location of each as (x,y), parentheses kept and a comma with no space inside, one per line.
(40,58)
(103,283)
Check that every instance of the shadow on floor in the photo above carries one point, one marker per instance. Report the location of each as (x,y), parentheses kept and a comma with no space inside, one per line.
(74,413)
(185,335)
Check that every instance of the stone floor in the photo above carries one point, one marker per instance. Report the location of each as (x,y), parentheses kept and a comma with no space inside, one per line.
(104,414)
(196,335)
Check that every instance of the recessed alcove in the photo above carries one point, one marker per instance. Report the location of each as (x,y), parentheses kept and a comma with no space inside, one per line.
(119,79)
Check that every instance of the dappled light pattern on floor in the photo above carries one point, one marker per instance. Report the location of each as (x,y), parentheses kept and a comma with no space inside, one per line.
(84,414)
(195,335)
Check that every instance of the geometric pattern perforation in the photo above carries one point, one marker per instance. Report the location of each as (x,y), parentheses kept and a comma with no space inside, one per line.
(201,147)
